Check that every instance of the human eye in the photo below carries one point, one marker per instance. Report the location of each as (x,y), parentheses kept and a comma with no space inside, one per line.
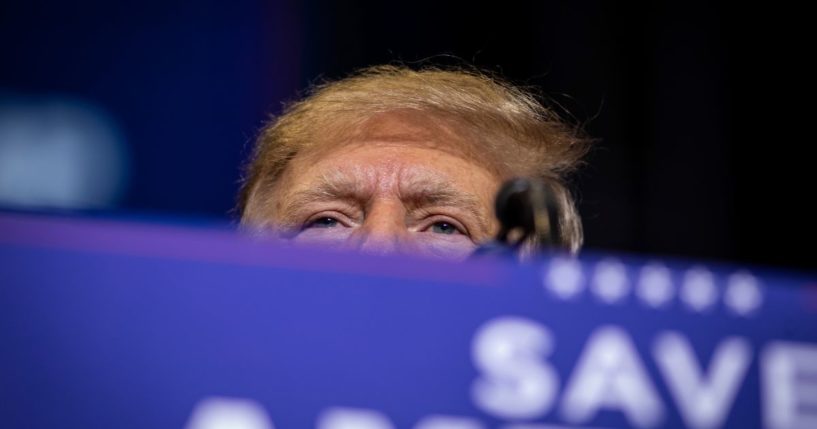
(324,226)
(322,222)
(446,237)
(442,227)
(445,225)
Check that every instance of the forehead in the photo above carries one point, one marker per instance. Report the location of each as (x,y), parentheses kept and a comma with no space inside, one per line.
(403,127)
(400,147)
(416,126)
(367,169)
(393,159)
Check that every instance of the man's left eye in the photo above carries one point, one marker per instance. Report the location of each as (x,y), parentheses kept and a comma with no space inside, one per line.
(444,228)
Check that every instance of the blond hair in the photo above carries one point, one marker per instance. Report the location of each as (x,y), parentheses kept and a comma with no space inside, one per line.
(512,132)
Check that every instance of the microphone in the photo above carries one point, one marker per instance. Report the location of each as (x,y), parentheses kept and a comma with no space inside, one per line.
(528,215)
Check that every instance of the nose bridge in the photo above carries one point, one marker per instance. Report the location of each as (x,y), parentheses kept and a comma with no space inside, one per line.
(384,227)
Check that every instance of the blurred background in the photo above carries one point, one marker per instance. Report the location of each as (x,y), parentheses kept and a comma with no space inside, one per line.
(149,109)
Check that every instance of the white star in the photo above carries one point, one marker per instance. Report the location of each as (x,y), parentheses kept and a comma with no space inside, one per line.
(564,277)
(655,285)
(743,294)
(610,281)
(698,291)
(352,418)
(448,422)
(223,412)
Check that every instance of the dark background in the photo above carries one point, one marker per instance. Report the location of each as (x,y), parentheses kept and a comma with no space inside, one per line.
(704,146)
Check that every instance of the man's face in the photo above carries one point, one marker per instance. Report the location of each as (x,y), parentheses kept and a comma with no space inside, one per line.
(397,187)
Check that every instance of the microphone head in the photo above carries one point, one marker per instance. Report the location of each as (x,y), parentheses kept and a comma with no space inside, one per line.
(513,205)
(527,213)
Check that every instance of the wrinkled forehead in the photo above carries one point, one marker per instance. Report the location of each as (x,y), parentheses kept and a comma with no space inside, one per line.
(418,128)
(353,176)
(443,164)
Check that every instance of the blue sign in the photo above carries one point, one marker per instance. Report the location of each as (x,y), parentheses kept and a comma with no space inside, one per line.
(104,324)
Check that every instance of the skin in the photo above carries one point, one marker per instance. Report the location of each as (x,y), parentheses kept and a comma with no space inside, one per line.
(398,186)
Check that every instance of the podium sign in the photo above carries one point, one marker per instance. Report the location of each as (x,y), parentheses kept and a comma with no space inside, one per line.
(106,324)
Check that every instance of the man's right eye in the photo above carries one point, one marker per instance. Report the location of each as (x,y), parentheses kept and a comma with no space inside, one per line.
(322,222)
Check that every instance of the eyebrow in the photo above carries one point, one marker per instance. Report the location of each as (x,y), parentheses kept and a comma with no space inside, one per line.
(416,193)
